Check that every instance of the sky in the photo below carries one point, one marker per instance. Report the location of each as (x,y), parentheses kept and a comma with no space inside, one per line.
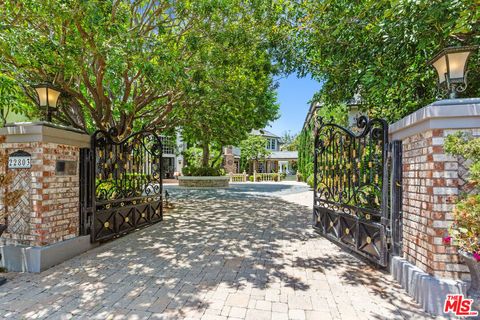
(294,95)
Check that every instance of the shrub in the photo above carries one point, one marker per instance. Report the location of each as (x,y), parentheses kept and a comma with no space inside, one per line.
(310,181)
(276,177)
(202,171)
(250,178)
(283,175)
(465,229)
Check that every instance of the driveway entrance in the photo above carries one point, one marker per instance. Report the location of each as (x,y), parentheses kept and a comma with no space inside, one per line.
(247,252)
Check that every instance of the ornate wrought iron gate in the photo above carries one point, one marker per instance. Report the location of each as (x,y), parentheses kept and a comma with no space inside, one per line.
(121,184)
(357,188)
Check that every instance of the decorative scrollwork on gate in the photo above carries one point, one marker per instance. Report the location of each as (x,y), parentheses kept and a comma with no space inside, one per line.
(127,182)
(350,167)
(127,169)
(351,186)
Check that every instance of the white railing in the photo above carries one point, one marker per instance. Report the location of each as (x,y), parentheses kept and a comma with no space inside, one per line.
(266,176)
(238,177)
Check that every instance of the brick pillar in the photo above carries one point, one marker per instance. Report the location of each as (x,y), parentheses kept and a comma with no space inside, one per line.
(432,181)
(229,160)
(48,212)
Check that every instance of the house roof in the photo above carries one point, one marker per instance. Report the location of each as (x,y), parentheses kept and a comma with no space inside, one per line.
(236,151)
(264,133)
(283,155)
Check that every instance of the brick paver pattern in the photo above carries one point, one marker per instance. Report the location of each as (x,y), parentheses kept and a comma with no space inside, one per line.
(225,254)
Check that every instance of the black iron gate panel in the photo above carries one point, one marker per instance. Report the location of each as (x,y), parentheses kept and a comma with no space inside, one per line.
(351,186)
(123,181)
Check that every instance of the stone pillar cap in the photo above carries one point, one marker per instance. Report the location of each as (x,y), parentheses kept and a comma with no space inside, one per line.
(443,114)
(24,132)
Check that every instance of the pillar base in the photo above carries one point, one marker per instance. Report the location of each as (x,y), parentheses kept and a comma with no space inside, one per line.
(21,258)
(428,291)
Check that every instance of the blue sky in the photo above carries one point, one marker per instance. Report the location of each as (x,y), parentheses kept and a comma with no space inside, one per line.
(293,97)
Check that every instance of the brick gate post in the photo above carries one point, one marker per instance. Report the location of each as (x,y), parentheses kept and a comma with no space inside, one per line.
(432,180)
(43,229)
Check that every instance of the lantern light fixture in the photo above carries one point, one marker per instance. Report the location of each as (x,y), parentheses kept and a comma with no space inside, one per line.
(47,97)
(451,66)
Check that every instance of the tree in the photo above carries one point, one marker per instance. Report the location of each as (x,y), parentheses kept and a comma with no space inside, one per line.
(226,116)
(254,148)
(121,64)
(12,100)
(289,141)
(379,49)
(236,95)
(337,114)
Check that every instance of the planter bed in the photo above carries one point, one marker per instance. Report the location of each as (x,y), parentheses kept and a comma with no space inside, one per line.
(204,182)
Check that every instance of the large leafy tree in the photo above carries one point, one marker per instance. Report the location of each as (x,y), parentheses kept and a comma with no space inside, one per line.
(121,64)
(12,100)
(254,148)
(244,101)
(380,49)
(237,94)
(289,141)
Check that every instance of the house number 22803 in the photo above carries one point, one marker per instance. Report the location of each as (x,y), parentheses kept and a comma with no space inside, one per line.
(19,162)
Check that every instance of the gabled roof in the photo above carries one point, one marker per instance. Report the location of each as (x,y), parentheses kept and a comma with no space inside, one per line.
(264,133)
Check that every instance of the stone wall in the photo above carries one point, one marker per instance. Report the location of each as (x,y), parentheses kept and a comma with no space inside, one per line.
(48,212)
(432,181)
(204,182)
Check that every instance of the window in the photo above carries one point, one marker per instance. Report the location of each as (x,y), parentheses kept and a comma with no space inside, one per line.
(168,144)
(272,144)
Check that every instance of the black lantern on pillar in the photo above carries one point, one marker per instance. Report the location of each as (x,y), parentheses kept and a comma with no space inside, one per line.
(47,98)
(451,66)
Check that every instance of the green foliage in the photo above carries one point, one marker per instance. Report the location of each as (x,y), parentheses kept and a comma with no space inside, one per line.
(253,148)
(461,144)
(466,227)
(379,49)
(12,100)
(335,113)
(113,187)
(203,171)
(289,141)
(194,156)
(234,93)
(250,178)
(310,180)
(148,64)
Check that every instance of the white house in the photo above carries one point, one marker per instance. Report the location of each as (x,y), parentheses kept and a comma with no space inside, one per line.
(278,161)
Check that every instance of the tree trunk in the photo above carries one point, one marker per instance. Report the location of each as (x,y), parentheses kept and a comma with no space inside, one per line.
(186,160)
(206,155)
(217,158)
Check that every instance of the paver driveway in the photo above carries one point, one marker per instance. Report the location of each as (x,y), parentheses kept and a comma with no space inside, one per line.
(241,253)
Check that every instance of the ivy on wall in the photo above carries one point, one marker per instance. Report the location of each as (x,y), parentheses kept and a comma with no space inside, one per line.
(337,114)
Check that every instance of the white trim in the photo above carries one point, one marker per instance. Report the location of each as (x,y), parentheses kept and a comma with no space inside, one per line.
(444,114)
